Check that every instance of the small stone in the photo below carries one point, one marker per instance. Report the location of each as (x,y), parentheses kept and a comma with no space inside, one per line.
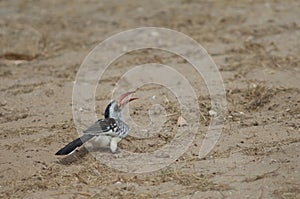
(65,126)
(181,121)
(118,183)
(212,113)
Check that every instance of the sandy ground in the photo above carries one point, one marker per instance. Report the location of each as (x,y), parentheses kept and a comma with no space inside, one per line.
(256,47)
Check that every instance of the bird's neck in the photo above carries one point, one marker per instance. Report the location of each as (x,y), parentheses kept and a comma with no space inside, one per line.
(116,117)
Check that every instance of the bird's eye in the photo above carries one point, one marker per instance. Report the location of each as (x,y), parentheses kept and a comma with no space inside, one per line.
(116,108)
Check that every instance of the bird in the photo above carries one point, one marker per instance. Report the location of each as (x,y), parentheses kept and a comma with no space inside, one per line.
(107,131)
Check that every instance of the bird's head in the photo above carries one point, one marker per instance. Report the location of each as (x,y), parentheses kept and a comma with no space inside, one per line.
(114,108)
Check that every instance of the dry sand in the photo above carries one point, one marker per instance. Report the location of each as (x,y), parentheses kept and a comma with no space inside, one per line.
(256,46)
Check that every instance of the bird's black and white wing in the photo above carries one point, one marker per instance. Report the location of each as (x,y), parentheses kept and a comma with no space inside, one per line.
(110,127)
(107,126)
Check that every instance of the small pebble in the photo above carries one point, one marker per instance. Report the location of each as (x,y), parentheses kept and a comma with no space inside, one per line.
(212,113)
(118,183)
(181,121)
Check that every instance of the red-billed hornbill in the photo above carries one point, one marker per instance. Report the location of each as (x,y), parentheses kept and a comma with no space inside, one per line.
(110,130)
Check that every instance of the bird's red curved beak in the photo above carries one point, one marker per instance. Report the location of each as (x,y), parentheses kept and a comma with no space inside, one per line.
(123,96)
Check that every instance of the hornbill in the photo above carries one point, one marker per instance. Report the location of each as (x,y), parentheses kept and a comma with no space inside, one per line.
(110,130)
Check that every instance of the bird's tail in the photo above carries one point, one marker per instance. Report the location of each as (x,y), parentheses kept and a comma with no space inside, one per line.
(69,148)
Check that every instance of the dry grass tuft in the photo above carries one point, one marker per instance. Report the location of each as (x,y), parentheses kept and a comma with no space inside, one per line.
(257,96)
